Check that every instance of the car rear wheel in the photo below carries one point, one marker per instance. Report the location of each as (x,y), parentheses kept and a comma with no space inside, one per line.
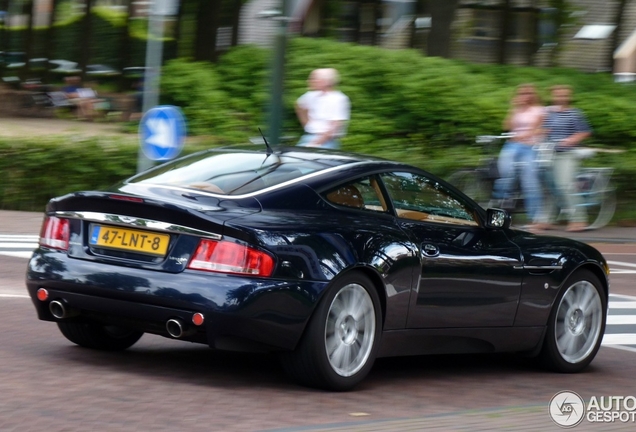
(577,324)
(340,343)
(100,337)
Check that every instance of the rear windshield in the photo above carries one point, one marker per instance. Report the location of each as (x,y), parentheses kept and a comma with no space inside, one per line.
(235,173)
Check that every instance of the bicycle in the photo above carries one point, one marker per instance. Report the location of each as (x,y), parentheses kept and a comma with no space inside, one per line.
(478,182)
(597,194)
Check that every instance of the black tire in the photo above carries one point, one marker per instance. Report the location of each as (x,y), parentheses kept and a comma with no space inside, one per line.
(353,338)
(576,324)
(100,337)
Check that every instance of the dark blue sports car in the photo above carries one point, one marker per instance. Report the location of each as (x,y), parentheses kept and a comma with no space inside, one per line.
(331,259)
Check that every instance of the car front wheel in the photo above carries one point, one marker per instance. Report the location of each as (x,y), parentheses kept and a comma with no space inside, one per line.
(100,337)
(340,343)
(576,324)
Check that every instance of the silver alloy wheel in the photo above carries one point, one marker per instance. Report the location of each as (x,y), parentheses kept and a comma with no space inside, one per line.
(579,320)
(350,330)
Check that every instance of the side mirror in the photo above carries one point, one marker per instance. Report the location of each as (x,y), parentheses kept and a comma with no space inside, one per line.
(497,219)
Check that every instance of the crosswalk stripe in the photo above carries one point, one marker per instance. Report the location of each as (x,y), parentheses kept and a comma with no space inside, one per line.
(621,264)
(622,305)
(619,339)
(18,237)
(18,245)
(14,296)
(17,254)
(621,319)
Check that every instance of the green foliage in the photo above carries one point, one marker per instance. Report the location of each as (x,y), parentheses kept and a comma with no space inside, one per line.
(407,107)
(107,27)
(398,97)
(35,170)
(196,87)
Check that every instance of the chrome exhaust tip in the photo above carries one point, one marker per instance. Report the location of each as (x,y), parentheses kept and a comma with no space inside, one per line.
(175,327)
(58,309)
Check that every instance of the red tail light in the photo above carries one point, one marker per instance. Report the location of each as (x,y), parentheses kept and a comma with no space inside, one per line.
(55,233)
(233,258)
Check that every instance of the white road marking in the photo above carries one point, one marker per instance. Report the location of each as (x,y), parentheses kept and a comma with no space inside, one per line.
(623,296)
(25,255)
(22,245)
(622,264)
(619,339)
(621,347)
(19,246)
(621,319)
(622,305)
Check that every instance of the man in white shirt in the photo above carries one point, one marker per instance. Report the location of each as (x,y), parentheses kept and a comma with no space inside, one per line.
(323,111)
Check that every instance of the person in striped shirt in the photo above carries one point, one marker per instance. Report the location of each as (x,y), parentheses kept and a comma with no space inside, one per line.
(566,127)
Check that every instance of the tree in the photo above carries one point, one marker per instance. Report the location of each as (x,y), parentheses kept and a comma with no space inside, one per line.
(208,19)
(124,43)
(504,29)
(50,36)
(442,15)
(621,5)
(85,43)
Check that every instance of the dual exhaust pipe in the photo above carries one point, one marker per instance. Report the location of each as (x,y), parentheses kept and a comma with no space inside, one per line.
(175,327)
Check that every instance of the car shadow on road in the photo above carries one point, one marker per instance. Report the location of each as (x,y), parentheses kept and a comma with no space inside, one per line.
(177,361)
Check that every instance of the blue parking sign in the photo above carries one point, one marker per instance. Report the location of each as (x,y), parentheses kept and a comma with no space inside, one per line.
(162,132)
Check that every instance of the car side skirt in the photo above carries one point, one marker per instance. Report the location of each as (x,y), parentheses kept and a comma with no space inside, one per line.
(460,340)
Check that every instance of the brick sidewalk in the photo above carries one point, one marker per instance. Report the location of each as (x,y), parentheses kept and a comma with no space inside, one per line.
(520,418)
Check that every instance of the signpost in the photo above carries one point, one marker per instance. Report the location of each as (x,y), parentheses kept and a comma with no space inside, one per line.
(162,132)
(159,9)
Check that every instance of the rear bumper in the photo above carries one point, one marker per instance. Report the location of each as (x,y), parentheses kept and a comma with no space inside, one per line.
(240,313)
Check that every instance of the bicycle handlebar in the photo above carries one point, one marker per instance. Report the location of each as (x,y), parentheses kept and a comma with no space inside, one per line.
(482,139)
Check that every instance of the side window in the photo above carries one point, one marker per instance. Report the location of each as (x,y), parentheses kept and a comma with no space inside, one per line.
(363,194)
(417,197)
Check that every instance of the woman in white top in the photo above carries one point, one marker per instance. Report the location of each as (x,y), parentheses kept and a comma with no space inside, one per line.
(524,121)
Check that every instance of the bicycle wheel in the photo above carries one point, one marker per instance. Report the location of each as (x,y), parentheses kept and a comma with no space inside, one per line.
(598,199)
(472,183)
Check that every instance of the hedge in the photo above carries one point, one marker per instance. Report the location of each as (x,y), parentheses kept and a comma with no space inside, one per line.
(426,111)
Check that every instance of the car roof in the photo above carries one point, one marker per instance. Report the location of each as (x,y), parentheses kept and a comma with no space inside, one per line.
(247,170)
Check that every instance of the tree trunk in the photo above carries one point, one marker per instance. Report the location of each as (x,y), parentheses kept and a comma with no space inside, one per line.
(377,14)
(4,5)
(28,40)
(618,21)
(124,48)
(49,47)
(177,28)
(503,35)
(207,26)
(560,20)
(87,30)
(236,20)
(442,16)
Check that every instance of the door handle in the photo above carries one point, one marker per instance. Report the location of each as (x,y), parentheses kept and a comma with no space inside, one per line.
(430,250)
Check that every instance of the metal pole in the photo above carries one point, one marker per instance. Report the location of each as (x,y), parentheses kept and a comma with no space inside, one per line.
(278,73)
(152,74)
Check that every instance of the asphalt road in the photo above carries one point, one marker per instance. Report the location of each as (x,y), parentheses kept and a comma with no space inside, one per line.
(48,384)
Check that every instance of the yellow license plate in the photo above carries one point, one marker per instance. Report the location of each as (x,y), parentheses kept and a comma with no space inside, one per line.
(131,240)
